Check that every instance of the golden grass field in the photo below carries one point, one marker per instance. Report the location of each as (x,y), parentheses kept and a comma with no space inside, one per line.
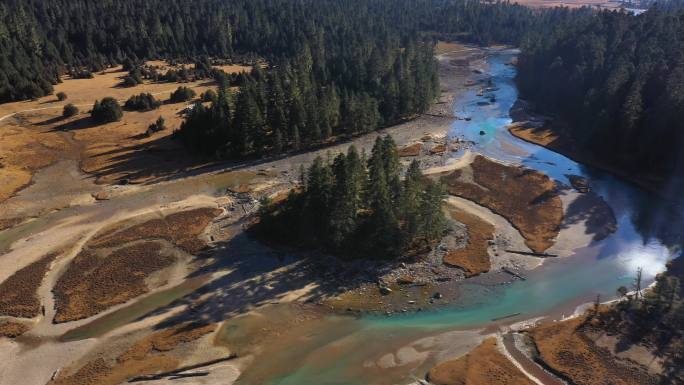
(526,198)
(473,258)
(483,365)
(568,351)
(37,135)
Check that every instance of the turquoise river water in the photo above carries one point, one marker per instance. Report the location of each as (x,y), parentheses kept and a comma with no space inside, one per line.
(344,350)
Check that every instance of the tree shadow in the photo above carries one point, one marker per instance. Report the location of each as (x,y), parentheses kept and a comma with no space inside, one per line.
(591,209)
(78,124)
(50,121)
(257,275)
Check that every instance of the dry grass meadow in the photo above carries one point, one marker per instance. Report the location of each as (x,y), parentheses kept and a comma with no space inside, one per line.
(12,329)
(18,297)
(114,267)
(483,365)
(96,281)
(573,355)
(34,134)
(526,198)
(473,258)
(181,228)
(149,355)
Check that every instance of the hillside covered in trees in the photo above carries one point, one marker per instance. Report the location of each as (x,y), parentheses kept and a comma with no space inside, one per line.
(346,40)
(618,80)
(353,207)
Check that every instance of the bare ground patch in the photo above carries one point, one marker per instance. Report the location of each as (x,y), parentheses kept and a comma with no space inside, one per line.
(473,258)
(527,199)
(569,352)
(18,297)
(484,365)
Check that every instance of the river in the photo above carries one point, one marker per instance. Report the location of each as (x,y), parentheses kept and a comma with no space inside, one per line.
(399,349)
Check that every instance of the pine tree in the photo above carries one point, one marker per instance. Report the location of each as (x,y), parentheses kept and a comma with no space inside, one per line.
(411,199)
(432,218)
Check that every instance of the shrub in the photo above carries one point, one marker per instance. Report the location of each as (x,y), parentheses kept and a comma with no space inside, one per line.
(209,96)
(69,110)
(182,94)
(107,110)
(61,96)
(142,102)
(171,76)
(129,82)
(81,74)
(159,125)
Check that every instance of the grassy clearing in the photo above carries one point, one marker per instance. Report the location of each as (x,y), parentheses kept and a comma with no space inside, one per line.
(39,136)
(473,258)
(180,228)
(94,281)
(570,353)
(149,355)
(526,198)
(18,297)
(484,365)
(12,329)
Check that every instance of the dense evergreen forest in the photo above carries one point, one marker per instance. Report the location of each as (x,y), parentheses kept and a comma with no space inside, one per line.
(351,207)
(341,67)
(618,80)
(41,39)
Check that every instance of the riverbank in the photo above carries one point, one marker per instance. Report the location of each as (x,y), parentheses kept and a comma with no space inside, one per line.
(236,276)
(549,133)
(242,286)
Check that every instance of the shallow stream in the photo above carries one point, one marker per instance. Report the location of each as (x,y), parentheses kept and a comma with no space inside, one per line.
(399,349)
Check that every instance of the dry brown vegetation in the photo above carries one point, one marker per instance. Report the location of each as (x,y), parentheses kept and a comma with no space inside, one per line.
(165,340)
(145,357)
(12,329)
(9,222)
(569,352)
(473,258)
(96,281)
(438,149)
(568,3)
(26,147)
(411,150)
(112,267)
(526,198)
(181,228)
(443,47)
(484,365)
(39,136)
(18,297)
